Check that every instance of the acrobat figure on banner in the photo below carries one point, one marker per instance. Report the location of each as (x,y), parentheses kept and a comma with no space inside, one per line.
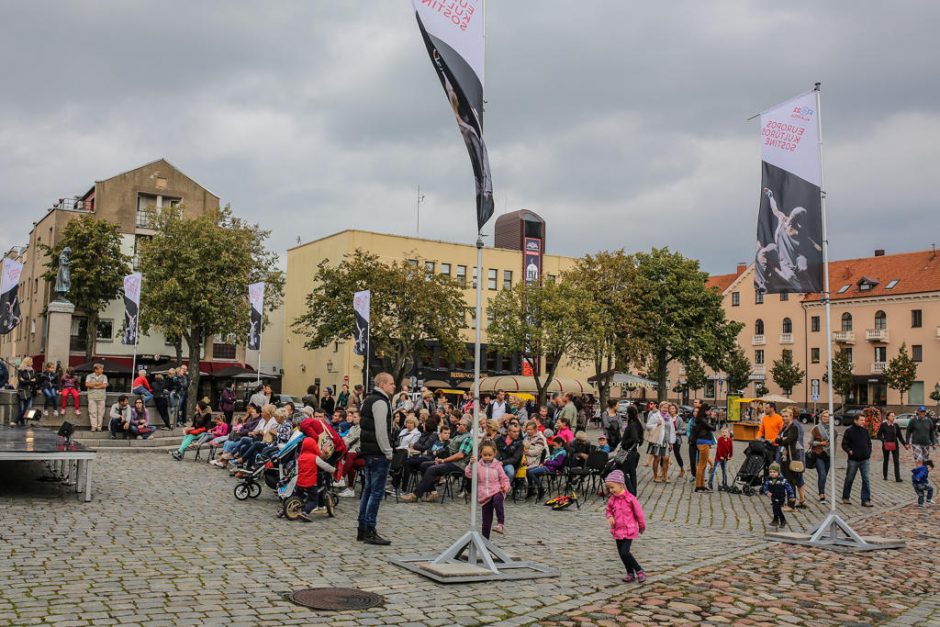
(362,340)
(468,122)
(130,328)
(253,339)
(790,247)
(9,318)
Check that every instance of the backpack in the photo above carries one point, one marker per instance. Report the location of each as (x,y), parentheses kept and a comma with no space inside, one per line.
(614,432)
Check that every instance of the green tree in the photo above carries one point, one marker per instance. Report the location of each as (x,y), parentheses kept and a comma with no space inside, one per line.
(842,380)
(98,268)
(677,317)
(760,389)
(901,372)
(409,310)
(695,377)
(196,273)
(605,340)
(738,368)
(786,373)
(538,321)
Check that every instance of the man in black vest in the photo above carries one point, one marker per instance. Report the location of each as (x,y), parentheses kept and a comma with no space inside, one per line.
(376,449)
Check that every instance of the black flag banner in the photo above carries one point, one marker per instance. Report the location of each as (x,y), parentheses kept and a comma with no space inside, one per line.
(131,308)
(256,315)
(453,35)
(789,225)
(9,295)
(361,305)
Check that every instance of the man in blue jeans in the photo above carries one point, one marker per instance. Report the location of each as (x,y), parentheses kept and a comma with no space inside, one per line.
(375,447)
(857,444)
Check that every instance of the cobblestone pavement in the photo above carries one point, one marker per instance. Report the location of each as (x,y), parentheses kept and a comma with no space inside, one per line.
(795,585)
(166,543)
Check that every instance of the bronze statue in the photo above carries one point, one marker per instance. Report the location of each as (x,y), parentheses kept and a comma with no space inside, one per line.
(63,279)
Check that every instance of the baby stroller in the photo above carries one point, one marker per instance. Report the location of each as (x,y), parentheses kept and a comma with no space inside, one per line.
(757,456)
(292,503)
(249,484)
(282,463)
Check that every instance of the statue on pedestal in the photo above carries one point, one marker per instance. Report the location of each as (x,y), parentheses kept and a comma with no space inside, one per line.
(63,279)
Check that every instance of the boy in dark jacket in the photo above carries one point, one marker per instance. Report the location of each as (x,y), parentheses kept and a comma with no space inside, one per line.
(780,492)
(921,481)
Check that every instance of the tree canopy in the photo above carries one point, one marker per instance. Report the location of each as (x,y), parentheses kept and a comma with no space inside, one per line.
(677,315)
(843,378)
(538,321)
(738,368)
(98,268)
(901,372)
(605,340)
(410,308)
(196,273)
(786,373)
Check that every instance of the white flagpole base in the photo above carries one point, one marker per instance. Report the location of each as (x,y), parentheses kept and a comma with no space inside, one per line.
(834,533)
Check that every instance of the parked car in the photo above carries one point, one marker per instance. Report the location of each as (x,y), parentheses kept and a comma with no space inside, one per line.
(685,411)
(806,416)
(846,417)
(280,400)
(622,407)
(902,420)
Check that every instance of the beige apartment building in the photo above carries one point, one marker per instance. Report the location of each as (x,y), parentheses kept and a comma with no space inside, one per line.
(337,363)
(878,304)
(123,199)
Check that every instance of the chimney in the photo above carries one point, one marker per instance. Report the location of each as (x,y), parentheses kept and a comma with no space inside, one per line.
(879,252)
(742,266)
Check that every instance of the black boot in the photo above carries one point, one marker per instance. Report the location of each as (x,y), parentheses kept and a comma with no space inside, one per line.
(373,537)
(360,534)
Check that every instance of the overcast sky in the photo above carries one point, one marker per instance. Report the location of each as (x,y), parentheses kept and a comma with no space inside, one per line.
(623,124)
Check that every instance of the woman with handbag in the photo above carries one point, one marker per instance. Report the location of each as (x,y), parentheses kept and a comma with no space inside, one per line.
(627,455)
(791,456)
(819,452)
(891,438)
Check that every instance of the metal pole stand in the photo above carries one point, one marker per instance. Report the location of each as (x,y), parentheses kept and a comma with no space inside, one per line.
(834,533)
(484,561)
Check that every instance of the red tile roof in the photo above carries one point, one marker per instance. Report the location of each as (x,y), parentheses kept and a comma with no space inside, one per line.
(915,272)
(721,281)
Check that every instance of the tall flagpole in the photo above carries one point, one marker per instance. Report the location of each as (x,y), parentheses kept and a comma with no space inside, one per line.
(136,338)
(260,338)
(827,533)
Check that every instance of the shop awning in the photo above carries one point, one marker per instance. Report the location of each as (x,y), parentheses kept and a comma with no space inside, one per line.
(625,379)
(513,384)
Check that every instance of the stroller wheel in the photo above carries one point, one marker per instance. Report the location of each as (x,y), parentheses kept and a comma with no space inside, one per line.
(292,507)
(748,491)
(254,489)
(330,504)
(242,491)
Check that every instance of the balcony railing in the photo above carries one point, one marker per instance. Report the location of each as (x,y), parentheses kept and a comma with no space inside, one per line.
(73,204)
(876,335)
(844,337)
(786,338)
(758,372)
(878,367)
(758,340)
(938,333)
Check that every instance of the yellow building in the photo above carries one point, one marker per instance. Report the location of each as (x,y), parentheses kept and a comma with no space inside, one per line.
(332,365)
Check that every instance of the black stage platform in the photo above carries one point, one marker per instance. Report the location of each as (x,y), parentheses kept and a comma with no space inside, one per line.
(65,458)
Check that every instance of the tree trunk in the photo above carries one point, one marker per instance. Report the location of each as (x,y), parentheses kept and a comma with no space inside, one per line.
(178,345)
(195,346)
(91,336)
(661,365)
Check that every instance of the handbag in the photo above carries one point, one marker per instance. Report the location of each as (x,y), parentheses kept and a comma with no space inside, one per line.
(890,446)
(797,466)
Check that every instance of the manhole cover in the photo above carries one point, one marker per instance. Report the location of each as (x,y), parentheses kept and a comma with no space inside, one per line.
(336,598)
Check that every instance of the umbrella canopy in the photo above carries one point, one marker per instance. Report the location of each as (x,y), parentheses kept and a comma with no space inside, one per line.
(775,398)
(513,384)
(110,367)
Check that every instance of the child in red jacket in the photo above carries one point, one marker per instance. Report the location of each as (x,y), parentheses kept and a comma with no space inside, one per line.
(723,452)
(626,520)
(307,475)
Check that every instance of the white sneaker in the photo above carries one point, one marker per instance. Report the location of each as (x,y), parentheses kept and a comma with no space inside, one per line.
(348,493)
(78,412)
(930,502)
(341,483)
(45,412)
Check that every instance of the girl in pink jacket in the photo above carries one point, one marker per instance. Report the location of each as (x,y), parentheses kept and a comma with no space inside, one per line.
(625,517)
(492,487)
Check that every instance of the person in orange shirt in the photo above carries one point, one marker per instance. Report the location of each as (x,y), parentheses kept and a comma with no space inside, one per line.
(770,425)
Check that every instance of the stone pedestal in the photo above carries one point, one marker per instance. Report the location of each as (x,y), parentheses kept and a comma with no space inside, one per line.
(59,332)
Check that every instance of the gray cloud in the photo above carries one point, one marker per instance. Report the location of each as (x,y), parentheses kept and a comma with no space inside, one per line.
(623,124)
